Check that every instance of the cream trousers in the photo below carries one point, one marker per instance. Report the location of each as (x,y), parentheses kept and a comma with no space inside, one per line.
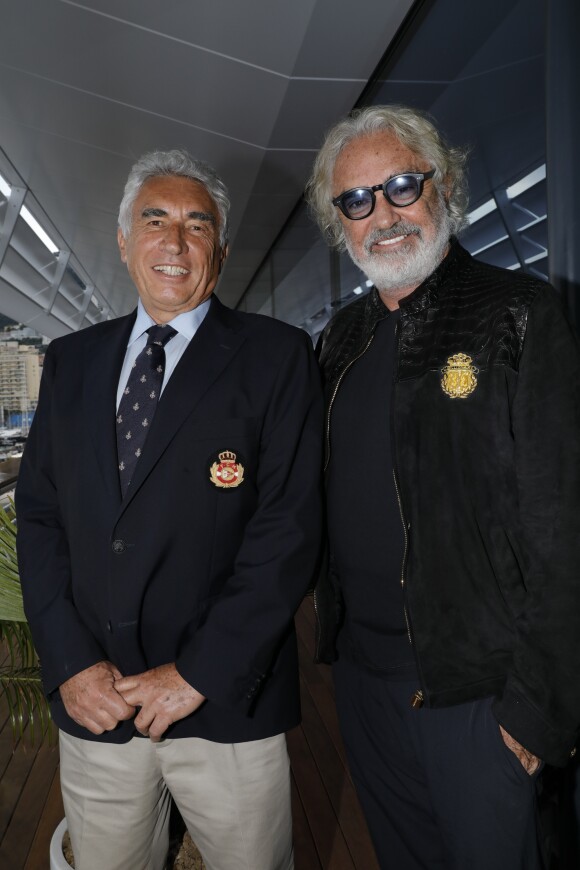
(234,799)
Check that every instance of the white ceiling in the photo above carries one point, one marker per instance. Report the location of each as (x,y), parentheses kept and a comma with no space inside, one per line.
(85,88)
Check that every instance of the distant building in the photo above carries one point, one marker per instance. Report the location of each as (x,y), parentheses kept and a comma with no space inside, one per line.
(18,332)
(19,382)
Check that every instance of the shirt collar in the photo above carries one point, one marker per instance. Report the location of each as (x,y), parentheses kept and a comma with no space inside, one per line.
(186,324)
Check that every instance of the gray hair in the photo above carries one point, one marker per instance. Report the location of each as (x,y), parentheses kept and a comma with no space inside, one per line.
(411,127)
(180,163)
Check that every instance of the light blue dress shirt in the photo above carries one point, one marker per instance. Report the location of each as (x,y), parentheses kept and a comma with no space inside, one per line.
(186,325)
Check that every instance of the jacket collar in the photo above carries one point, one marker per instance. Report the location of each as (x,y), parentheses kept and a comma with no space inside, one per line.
(427,294)
(212,348)
(104,352)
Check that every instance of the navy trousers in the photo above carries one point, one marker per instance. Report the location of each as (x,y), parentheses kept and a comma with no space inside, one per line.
(439,788)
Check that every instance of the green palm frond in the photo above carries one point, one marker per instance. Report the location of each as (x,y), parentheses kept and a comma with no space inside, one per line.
(11,609)
(19,671)
(19,645)
(27,707)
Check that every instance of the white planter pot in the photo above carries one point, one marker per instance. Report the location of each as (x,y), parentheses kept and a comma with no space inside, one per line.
(57,859)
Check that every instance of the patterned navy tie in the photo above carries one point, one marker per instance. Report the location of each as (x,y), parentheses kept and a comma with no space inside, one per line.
(139,401)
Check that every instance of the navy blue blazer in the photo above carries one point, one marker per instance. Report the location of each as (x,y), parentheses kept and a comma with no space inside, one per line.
(183,569)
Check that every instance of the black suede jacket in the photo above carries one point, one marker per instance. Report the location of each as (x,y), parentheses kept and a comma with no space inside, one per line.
(487,464)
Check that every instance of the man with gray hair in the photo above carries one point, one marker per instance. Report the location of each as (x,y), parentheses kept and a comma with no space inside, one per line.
(451,605)
(168,526)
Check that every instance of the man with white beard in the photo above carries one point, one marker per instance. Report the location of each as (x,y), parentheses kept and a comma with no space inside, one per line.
(451,605)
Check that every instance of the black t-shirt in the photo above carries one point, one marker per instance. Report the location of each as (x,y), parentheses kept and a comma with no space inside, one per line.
(365,526)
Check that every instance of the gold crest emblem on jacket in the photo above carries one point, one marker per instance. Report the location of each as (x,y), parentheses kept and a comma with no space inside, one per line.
(459,376)
(226,473)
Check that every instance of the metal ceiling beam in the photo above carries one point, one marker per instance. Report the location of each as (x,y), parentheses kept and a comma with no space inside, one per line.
(15,201)
(85,306)
(62,262)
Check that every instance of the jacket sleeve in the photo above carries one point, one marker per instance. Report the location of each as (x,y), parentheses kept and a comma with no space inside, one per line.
(231,653)
(64,644)
(540,705)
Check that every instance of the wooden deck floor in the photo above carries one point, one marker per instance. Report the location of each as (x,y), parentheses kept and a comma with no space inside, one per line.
(329,830)
(30,801)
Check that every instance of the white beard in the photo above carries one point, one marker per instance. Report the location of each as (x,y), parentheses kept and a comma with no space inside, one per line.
(409,264)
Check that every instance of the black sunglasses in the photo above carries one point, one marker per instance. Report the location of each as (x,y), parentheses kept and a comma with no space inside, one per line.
(400,191)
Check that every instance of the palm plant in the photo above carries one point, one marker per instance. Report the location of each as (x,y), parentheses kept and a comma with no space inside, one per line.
(19,667)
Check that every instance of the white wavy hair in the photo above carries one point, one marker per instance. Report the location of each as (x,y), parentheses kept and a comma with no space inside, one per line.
(177,162)
(411,127)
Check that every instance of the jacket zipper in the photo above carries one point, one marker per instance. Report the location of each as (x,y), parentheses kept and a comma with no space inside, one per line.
(404,557)
(418,697)
(330,404)
(335,391)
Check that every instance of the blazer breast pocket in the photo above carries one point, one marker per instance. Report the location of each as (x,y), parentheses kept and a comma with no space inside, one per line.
(225,453)
(200,429)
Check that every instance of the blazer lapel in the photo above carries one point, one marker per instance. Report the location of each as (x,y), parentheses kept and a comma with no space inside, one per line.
(104,355)
(211,349)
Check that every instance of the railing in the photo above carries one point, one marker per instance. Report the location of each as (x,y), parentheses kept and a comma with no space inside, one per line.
(9,474)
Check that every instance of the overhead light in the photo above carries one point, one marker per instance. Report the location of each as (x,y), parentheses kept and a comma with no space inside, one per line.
(512,191)
(496,241)
(357,291)
(535,257)
(5,188)
(369,283)
(527,181)
(36,228)
(478,213)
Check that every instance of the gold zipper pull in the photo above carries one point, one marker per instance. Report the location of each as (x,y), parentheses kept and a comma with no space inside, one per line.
(417,700)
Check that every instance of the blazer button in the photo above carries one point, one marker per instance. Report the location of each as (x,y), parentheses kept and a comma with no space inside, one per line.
(118,546)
